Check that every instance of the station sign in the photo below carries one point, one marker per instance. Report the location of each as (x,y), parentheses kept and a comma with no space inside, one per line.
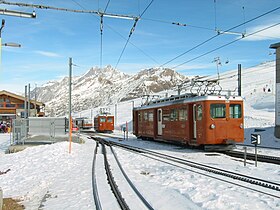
(255,138)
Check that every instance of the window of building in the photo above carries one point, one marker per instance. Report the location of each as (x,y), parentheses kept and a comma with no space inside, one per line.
(235,111)
(183,114)
(1,100)
(218,110)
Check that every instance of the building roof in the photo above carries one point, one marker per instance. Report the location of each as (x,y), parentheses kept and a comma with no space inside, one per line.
(274,46)
(4,92)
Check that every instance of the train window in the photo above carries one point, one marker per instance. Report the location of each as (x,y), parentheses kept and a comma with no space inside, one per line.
(183,115)
(218,110)
(235,111)
(102,119)
(110,119)
(145,116)
(151,117)
(174,115)
(139,117)
(199,112)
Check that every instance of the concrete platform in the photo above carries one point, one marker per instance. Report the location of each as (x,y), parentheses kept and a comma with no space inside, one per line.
(41,140)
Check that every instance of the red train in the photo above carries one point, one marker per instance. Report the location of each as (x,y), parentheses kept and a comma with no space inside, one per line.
(214,122)
(104,123)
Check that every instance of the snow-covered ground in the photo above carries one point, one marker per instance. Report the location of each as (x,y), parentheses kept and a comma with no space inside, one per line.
(48,177)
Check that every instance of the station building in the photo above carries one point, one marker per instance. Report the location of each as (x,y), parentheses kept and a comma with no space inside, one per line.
(12,106)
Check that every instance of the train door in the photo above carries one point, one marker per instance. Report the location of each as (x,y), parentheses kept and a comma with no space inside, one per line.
(194,120)
(159,122)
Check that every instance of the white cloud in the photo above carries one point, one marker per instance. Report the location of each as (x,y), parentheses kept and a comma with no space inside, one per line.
(47,54)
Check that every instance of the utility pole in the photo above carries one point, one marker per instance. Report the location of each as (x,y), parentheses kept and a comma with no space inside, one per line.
(35,100)
(218,63)
(25,102)
(70,108)
(2,26)
(28,100)
(239,79)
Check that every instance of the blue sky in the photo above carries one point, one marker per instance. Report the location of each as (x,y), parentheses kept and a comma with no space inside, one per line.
(49,40)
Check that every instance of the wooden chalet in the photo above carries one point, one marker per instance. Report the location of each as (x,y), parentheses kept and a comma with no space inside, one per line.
(12,106)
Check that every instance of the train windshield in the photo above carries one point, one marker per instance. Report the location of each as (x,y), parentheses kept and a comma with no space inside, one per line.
(102,119)
(218,111)
(109,119)
(235,111)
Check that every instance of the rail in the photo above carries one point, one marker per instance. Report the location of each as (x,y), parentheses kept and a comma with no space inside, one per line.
(94,185)
(250,156)
(233,175)
(140,196)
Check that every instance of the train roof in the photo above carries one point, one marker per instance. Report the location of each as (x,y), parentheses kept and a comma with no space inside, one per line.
(186,98)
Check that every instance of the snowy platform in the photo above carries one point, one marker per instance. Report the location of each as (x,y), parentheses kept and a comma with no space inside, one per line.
(36,140)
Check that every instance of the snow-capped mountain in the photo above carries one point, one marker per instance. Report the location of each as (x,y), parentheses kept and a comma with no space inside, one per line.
(98,87)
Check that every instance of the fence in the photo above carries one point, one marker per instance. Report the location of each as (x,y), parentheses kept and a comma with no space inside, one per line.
(51,127)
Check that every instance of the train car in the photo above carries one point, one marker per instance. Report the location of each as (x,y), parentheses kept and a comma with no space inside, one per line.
(83,123)
(214,121)
(104,123)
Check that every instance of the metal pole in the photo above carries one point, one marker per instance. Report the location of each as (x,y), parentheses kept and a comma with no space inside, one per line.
(25,102)
(132,125)
(245,155)
(239,79)
(70,86)
(35,100)
(28,100)
(256,155)
(116,114)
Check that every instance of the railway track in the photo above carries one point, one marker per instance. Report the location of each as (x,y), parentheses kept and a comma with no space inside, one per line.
(261,186)
(250,156)
(111,180)
(237,154)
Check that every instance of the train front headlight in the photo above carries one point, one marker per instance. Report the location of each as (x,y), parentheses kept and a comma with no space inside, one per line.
(212,126)
(241,126)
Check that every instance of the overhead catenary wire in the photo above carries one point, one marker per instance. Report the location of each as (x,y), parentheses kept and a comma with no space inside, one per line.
(37,6)
(101,34)
(146,54)
(222,32)
(229,43)
(99,13)
(131,31)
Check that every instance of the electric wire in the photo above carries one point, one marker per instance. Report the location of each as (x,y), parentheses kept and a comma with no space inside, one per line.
(215,14)
(222,32)
(107,5)
(131,31)
(178,24)
(101,40)
(229,43)
(146,54)
(37,6)
(101,34)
